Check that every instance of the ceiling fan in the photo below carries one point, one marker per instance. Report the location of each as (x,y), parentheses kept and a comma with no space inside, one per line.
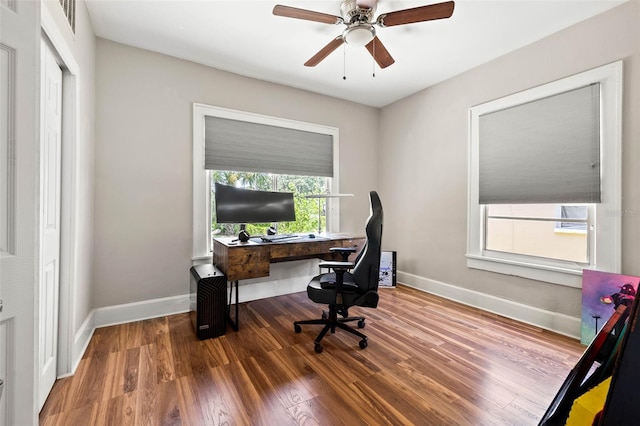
(357,15)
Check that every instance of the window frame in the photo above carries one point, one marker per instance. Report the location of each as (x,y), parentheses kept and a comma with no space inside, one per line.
(605,235)
(202,249)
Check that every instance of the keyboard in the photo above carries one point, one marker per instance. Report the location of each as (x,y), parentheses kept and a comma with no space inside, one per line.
(280,237)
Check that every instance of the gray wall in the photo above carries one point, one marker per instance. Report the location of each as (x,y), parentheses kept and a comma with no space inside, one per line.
(143,162)
(424,154)
(414,151)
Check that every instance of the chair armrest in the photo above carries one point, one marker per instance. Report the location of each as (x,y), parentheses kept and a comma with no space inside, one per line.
(344,252)
(343,249)
(340,269)
(337,266)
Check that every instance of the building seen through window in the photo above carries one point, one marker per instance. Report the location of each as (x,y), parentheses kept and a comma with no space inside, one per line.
(551,231)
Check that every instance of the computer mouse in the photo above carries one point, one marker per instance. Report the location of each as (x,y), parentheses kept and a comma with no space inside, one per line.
(311,236)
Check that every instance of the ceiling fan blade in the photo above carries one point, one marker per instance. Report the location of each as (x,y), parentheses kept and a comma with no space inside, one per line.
(324,52)
(379,53)
(308,15)
(417,14)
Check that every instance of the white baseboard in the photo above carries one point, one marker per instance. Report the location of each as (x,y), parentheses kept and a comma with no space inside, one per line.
(255,291)
(138,311)
(81,341)
(284,278)
(548,320)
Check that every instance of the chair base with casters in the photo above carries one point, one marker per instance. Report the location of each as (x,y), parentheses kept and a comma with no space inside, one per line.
(341,295)
(331,321)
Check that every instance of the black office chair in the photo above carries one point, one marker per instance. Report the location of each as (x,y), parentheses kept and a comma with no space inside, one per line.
(342,289)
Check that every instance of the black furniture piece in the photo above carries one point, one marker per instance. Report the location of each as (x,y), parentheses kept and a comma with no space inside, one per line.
(621,407)
(600,361)
(208,301)
(587,372)
(342,289)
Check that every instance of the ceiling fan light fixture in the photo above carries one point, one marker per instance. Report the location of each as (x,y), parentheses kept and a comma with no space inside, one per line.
(357,15)
(359,35)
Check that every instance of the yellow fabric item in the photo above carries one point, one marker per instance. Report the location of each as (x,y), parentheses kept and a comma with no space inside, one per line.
(586,406)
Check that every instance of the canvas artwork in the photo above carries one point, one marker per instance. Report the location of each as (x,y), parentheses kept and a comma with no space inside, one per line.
(602,293)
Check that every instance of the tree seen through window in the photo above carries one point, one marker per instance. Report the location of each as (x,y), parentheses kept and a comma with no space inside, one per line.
(306,208)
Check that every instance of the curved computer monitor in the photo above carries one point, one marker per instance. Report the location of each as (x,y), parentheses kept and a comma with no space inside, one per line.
(239,205)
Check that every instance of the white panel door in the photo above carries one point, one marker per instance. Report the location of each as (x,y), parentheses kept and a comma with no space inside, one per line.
(19,190)
(50,164)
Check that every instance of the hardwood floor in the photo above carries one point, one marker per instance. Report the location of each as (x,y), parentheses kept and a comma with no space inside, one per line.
(429,362)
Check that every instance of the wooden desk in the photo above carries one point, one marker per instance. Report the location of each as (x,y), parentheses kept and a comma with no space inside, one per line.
(240,261)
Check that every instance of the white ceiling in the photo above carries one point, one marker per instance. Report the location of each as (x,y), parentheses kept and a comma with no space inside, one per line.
(244,37)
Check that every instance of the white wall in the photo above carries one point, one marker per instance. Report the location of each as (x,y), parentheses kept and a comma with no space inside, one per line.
(143,162)
(423,160)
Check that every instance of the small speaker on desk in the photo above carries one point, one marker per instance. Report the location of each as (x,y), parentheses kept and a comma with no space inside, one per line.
(208,301)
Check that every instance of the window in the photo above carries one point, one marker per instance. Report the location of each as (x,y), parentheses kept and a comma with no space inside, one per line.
(534,230)
(262,152)
(540,156)
(310,216)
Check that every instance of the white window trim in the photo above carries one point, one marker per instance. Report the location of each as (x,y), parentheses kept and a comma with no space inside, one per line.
(201,177)
(606,233)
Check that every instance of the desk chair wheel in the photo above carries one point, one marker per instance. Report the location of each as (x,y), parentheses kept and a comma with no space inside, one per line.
(363,344)
(361,323)
(318,347)
(297,328)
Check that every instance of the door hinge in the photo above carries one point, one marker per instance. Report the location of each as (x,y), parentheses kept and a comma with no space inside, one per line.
(1,304)
(1,387)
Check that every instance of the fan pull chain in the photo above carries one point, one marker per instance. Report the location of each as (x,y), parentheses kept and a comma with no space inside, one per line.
(373,58)
(344,61)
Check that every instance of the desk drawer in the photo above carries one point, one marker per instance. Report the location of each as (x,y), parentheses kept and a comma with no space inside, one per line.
(242,262)
(292,251)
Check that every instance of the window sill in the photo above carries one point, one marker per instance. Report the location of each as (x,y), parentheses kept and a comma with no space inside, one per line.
(571,277)
(566,231)
(197,260)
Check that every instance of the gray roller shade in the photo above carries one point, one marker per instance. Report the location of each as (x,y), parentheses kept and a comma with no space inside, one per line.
(545,151)
(252,147)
